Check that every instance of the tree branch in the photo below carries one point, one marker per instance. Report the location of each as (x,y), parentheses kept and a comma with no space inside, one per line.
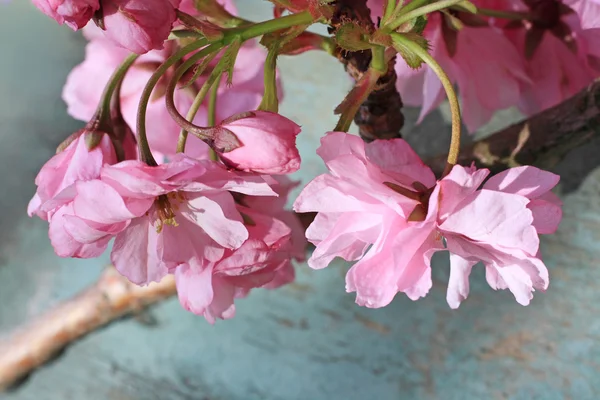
(110,298)
(380,116)
(542,140)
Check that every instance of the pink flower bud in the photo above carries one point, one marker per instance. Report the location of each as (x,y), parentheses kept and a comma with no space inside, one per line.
(138,25)
(268,143)
(74,13)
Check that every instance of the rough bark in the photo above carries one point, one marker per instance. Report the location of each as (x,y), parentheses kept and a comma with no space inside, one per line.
(542,140)
(380,116)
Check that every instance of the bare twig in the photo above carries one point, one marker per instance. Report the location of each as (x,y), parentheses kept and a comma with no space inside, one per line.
(542,140)
(110,298)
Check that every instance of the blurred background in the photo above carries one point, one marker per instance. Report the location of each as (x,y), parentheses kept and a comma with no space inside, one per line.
(307,340)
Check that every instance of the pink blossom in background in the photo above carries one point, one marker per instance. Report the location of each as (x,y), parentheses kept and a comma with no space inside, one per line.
(486,68)
(138,25)
(268,143)
(73,13)
(392,216)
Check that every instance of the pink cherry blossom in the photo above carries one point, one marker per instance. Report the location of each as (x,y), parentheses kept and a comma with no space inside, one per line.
(138,25)
(210,290)
(75,163)
(73,13)
(392,234)
(268,143)
(486,67)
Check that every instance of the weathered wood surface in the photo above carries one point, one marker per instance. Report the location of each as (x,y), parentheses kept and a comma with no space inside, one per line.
(309,340)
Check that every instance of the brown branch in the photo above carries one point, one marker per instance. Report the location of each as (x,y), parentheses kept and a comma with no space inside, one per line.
(380,116)
(542,140)
(110,298)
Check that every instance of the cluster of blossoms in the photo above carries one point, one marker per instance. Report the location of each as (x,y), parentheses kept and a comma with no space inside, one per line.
(381,205)
(209,209)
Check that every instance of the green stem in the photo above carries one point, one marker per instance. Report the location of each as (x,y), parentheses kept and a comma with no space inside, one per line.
(198,100)
(413,5)
(144,148)
(448,87)
(512,15)
(390,6)
(272,25)
(437,6)
(212,104)
(270,102)
(378,62)
(170,93)
(113,83)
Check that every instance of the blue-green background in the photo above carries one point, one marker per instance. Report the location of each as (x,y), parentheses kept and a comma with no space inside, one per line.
(308,340)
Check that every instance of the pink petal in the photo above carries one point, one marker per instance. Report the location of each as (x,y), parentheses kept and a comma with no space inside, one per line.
(456,186)
(195,288)
(218,216)
(458,285)
(134,253)
(396,158)
(546,216)
(527,181)
(349,239)
(495,218)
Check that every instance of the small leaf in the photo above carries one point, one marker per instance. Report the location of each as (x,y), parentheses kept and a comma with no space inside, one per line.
(412,59)
(229,58)
(93,140)
(352,37)
(199,69)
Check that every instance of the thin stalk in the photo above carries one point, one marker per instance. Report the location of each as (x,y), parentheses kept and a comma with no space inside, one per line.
(144,148)
(448,87)
(512,15)
(390,6)
(184,123)
(437,6)
(111,86)
(212,104)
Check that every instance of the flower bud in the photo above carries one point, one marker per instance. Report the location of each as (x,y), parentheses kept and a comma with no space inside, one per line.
(268,143)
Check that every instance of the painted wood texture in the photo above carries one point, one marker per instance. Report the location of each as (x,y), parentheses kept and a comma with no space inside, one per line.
(308,340)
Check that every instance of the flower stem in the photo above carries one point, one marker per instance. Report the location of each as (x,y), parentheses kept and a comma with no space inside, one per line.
(185,123)
(512,15)
(452,98)
(390,6)
(113,83)
(407,16)
(212,104)
(144,148)
(272,25)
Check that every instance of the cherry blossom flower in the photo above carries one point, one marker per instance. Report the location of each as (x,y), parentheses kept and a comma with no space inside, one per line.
(380,206)
(138,25)
(73,13)
(268,143)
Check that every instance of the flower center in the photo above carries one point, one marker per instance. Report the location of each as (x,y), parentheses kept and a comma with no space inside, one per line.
(421,195)
(166,206)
